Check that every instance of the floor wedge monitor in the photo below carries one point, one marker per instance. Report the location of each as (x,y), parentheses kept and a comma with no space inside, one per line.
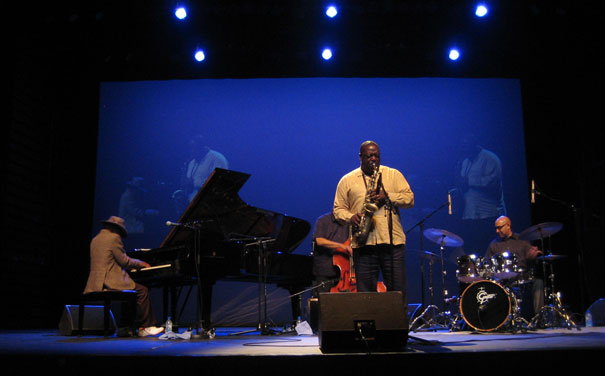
(362,322)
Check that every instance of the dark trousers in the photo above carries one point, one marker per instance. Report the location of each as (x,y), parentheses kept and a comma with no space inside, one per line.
(531,298)
(371,261)
(144,314)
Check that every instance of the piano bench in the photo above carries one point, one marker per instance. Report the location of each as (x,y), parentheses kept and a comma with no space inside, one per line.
(107,297)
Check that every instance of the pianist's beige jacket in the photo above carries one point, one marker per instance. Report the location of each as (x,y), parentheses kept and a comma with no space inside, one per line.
(108,262)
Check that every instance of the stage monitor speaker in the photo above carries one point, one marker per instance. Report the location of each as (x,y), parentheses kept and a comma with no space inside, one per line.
(362,322)
(93,320)
(596,312)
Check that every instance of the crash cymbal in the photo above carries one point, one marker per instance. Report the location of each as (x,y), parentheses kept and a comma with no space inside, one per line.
(541,231)
(551,257)
(444,237)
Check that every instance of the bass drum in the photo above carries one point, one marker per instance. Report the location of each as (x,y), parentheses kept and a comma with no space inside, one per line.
(487,306)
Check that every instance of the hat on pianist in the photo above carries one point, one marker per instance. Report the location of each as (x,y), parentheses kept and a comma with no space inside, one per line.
(117,224)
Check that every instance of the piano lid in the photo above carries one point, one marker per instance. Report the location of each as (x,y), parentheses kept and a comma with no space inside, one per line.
(223,216)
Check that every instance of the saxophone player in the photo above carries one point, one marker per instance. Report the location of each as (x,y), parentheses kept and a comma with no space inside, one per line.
(382,249)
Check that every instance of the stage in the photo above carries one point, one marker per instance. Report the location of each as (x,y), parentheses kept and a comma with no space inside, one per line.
(230,352)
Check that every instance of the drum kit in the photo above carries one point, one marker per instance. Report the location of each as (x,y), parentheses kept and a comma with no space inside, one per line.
(490,300)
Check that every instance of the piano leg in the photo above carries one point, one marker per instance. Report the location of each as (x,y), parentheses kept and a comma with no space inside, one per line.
(169,304)
(206,297)
(295,303)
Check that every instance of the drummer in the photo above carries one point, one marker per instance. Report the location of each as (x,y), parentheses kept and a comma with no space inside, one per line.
(508,241)
(526,254)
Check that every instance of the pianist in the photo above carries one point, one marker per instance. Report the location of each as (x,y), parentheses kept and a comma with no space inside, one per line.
(107,272)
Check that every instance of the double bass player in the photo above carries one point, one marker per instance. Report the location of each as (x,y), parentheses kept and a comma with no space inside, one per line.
(330,243)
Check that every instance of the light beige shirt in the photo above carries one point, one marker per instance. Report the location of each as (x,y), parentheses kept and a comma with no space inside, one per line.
(199,170)
(484,197)
(350,197)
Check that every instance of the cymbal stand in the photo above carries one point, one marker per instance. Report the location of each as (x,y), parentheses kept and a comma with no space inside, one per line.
(552,315)
(444,320)
(431,322)
(447,316)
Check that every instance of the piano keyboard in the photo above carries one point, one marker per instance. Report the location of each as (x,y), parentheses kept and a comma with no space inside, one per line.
(151,268)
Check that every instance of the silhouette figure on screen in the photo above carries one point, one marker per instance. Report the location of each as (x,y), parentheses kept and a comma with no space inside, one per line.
(133,208)
(202,161)
(478,189)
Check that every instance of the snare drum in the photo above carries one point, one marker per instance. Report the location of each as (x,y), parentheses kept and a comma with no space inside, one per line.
(486,305)
(505,265)
(470,268)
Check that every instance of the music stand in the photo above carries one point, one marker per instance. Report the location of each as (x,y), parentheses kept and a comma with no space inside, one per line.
(263,271)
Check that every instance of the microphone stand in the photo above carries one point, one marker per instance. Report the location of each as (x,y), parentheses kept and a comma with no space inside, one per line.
(388,204)
(196,227)
(554,296)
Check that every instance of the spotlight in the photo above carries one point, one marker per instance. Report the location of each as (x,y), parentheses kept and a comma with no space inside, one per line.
(199,55)
(481,10)
(326,54)
(454,54)
(331,11)
(180,13)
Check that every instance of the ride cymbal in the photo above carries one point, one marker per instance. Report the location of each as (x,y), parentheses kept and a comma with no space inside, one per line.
(443,237)
(541,231)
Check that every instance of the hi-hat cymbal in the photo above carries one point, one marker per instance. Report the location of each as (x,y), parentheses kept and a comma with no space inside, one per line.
(430,256)
(541,231)
(443,237)
(551,257)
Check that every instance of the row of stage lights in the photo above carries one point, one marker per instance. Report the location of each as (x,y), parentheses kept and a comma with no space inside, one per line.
(331,11)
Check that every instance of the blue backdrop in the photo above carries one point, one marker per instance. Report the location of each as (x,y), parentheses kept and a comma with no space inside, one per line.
(297,137)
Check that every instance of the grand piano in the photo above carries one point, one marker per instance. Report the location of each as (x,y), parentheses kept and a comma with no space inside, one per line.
(221,237)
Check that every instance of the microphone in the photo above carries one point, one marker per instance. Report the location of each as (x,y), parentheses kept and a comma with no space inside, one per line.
(449,203)
(190,225)
(533,191)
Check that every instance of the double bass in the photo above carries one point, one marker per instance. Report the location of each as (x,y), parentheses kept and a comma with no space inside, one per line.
(344,262)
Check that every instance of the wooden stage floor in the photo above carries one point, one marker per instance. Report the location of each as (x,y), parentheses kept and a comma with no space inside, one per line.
(292,354)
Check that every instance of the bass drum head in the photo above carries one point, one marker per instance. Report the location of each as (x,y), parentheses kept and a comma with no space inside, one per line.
(485,305)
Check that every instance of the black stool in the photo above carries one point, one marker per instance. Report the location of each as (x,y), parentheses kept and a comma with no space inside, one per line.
(107,297)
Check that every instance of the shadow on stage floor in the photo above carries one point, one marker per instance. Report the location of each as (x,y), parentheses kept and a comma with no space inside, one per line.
(292,354)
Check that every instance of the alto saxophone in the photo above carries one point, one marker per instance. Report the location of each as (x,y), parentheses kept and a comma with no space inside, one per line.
(369,207)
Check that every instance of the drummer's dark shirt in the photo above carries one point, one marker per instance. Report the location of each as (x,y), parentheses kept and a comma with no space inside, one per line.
(511,244)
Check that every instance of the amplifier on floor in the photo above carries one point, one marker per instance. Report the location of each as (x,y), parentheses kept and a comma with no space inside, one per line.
(93,320)
(362,322)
